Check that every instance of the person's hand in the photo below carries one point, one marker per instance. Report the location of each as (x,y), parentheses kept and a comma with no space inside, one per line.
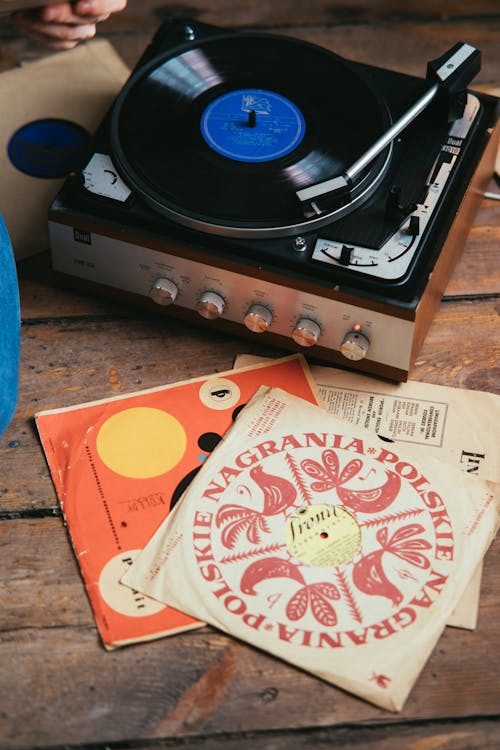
(63,25)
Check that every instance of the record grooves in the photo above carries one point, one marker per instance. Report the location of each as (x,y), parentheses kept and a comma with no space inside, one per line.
(159,116)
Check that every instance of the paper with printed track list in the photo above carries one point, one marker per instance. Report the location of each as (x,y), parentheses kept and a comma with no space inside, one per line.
(314,540)
(455,425)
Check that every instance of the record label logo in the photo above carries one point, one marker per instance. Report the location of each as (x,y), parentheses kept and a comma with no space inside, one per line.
(323,535)
(252,125)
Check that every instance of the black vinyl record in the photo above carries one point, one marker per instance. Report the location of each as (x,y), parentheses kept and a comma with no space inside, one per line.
(219,135)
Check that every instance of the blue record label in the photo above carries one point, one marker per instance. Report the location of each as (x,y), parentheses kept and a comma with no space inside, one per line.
(252,125)
(49,148)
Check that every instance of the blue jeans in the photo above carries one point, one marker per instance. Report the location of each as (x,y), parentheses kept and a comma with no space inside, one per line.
(10,325)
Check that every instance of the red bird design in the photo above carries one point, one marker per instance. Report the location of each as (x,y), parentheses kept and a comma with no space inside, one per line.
(270,567)
(328,476)
(279,494)
(368,574)
(315,595)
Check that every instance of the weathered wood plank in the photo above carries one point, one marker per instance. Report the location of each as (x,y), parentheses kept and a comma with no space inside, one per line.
(294,12)
(470,735)
(478,270)
(137,15)
(58,685)
(393,46)
(388,42)
(196,683)
(41,584)
(66,362)
(390,47)
(451,356)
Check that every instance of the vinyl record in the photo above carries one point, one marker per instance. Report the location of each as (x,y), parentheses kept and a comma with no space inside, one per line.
(48,148)
(220,135)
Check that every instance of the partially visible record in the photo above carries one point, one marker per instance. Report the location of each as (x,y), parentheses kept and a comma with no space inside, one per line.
(48,148)
(220,135)
(324,546)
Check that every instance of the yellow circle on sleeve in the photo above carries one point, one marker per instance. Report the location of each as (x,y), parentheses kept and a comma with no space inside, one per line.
(141,442)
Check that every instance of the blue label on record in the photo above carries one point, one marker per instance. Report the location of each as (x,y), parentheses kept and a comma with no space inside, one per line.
(252,125)
(48,148)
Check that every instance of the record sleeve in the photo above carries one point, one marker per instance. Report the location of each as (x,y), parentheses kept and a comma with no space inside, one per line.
(119,465)
(455,425)
(49,108)
(318,542)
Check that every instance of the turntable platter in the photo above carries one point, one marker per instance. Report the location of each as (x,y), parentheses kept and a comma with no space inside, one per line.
(219,135)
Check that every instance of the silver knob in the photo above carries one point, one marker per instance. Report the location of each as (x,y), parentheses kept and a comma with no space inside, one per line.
(163,291)
(258,318)
(354,345)
(306,332)
(211,305)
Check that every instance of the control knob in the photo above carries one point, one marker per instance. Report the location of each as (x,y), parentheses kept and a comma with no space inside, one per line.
(211,305)
(306,332)
(354,345)
(258,318)
(163,291)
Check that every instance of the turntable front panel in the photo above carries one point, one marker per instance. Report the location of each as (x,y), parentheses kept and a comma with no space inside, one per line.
(136,269)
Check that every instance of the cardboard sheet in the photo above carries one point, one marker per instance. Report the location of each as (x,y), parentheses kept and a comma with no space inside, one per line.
(79,86)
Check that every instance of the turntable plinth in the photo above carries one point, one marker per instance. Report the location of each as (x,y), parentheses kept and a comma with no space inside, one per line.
(220,184)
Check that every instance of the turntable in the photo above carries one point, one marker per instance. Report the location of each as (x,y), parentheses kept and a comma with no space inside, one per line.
(266,186)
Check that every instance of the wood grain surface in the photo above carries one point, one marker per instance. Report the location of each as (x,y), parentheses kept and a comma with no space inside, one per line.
(58,686)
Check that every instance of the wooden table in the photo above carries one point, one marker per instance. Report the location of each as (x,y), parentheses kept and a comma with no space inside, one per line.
(58,686)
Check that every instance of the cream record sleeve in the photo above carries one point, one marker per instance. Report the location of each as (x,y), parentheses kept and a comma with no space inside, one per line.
(324,545)
(456,425)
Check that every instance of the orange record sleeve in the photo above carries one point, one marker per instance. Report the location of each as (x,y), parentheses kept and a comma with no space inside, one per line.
(119,465)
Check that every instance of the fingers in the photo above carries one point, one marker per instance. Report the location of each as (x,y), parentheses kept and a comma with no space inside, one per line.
(66,13)
(58,36)
(83,11)
(99,7)
(64,25)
